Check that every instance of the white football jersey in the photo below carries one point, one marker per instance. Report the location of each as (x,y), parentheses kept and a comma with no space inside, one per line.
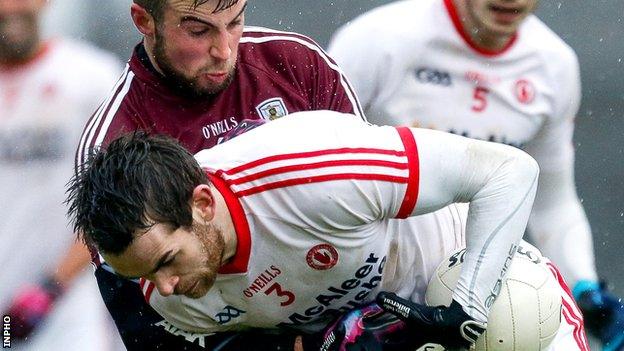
(314,212)
(412,64)
(43,105)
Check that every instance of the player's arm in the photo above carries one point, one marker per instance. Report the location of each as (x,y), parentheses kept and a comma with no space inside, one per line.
(499,182)
(558,223)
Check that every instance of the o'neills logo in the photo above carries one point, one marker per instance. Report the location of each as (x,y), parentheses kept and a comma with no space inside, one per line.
(262,281)
(322,257)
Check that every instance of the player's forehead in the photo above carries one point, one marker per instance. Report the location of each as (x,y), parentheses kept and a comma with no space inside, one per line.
(206,8)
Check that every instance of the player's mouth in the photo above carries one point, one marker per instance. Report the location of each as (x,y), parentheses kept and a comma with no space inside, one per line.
(217,77)
(506,14)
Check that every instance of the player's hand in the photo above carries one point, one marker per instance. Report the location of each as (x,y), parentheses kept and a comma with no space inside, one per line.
(364,329)
(30,306)
(450,326)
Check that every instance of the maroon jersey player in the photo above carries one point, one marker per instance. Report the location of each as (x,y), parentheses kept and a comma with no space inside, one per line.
(276,73)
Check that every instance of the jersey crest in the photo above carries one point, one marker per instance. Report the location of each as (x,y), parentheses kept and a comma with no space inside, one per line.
(322,257)
(525,91)
(272,108)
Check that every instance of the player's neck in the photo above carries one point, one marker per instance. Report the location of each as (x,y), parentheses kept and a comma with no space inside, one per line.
(149,49)
(487,40)
(21,59)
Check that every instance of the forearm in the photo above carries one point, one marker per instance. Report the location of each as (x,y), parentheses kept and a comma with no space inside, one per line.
(499,182)
(76,258)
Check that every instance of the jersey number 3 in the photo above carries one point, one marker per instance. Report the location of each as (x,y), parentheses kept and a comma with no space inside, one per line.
(289,296)
(480,98)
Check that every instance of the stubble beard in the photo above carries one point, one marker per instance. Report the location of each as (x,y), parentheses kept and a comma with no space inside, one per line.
(212,248)
(178,81)
(17,51)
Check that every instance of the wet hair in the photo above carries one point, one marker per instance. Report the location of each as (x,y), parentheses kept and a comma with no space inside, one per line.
(137,181)
(156,8)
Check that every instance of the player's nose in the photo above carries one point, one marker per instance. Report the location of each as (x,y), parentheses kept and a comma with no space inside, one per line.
(166,284)
(220,48)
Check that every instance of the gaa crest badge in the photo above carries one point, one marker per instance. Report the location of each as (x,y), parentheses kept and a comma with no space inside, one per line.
(322,257)
(525,91)
(272,108)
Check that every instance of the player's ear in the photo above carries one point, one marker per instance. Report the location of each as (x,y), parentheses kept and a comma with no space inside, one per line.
(203,203)
(143,20)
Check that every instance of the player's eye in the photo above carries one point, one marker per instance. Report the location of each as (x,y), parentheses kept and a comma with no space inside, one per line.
(236,23)
(198,33)
(169,261)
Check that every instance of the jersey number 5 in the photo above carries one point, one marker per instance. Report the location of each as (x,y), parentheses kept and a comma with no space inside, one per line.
(290,297)
(480,98)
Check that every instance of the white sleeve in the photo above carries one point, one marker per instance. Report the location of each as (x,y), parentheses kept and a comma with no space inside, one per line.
(558,223)
(499,182)
(552,146)
(559,226)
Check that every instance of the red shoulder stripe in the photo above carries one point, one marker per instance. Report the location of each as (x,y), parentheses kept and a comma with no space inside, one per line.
(308,154)
(318,179)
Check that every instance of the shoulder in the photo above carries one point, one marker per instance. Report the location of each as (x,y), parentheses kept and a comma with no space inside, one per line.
(556,55)
(294,133)
(269,44)
(391,26)
(84,58)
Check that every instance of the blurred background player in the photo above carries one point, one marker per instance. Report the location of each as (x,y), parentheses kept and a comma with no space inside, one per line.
(48,89)
(491,70)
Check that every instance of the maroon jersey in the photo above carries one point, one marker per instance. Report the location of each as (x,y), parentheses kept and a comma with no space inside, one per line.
(277,73)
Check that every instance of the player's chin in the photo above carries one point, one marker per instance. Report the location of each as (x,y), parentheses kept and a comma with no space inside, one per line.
(200,289)
(208,87)
(502,29)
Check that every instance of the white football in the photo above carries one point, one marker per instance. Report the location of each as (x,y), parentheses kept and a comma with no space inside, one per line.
(526,314)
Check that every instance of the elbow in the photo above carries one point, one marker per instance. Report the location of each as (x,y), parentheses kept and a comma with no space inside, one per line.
(525,167)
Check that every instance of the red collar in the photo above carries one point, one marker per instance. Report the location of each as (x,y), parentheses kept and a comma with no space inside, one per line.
(42,52)
(240,261)
(452,11)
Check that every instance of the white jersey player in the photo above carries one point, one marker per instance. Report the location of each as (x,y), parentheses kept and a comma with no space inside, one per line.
(302,226)
(488,70)
(46,95)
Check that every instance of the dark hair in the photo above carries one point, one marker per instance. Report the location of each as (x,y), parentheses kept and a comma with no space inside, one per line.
(156,8)
(137,181)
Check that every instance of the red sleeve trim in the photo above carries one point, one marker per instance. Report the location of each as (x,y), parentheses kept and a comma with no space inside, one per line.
(240,262)
(452,11)
(411,193)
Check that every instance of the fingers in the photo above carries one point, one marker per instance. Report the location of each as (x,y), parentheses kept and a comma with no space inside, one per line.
(298,344)
(396,305)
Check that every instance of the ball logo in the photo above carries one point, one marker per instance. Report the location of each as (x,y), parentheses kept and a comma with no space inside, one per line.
(525,91)
(322,257)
